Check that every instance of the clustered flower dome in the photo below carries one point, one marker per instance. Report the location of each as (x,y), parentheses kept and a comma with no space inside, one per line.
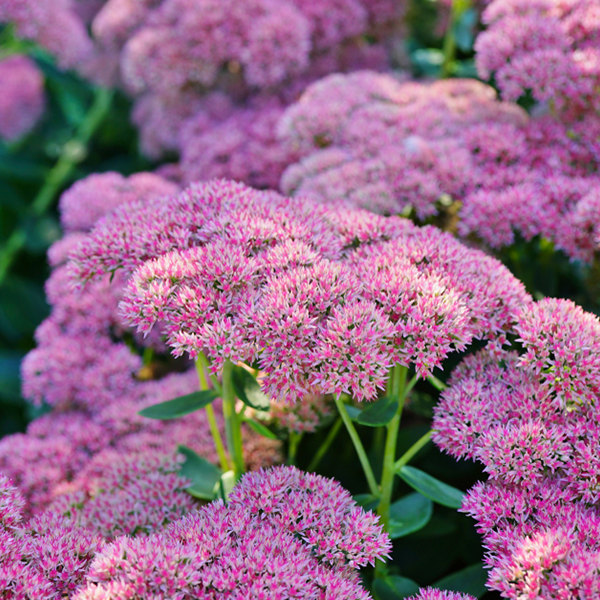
(530,417)
(23,100)
(282,532)
(549,48)
(396,147)
(325,300)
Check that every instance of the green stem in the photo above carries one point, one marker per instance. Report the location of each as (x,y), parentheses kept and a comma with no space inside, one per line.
(318,457)
(233,429)
(360,450)
(201,367)
(412,451)
(398,388)
(295,439)
(74,152)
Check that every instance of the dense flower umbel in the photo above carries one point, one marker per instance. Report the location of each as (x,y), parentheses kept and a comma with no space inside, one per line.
(389,146)
(547,47)
(22,100)
(46,558)
(170,53)
(531,418)
(393,147)
(268,542)
(326,299)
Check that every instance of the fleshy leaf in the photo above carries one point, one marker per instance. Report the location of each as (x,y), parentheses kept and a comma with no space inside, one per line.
(468,581)
(394,587)
(184,405)
(409,514)
(205,476)
(379,413)
(261,429)
(429,486)
(247,389)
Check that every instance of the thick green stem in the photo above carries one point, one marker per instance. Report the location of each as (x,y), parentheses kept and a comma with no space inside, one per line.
(233,429)
(201,367)
(360,450)
(318,457)
(73,153)
(397,388)
(412,451)
(295,439)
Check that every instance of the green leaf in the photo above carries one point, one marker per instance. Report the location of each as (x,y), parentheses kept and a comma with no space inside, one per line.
(429,486)
(261,429)
(247,389)
(394,587)
(203,475)
(379,413)
(353,412)
(468,581)
(225,484)
(184,405)
(409,514)
(367,501)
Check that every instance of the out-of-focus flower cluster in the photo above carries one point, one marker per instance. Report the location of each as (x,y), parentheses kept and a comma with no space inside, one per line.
(531,419)
(325,299)
(412,148)
(22,100)
(549,48)
(268,541)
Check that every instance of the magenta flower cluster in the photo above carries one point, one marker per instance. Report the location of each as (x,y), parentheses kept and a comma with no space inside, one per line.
(530,418)
(550,48)
(22,101)
(282,534)
(326,300)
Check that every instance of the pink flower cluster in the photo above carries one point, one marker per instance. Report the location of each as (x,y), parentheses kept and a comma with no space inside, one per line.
(412,148)
(45,558)
(326,300)
(268,541)
(84,367)
(550,48)
(22,101)
(53,24)
(531,419)
(254,54)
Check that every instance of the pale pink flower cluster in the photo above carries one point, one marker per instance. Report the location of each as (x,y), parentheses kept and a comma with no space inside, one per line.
(530,418)
(390,146)
(267,541)
(22,101)
(411,148)
(549,48)
(170,53)
(53,24)
(326,300)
